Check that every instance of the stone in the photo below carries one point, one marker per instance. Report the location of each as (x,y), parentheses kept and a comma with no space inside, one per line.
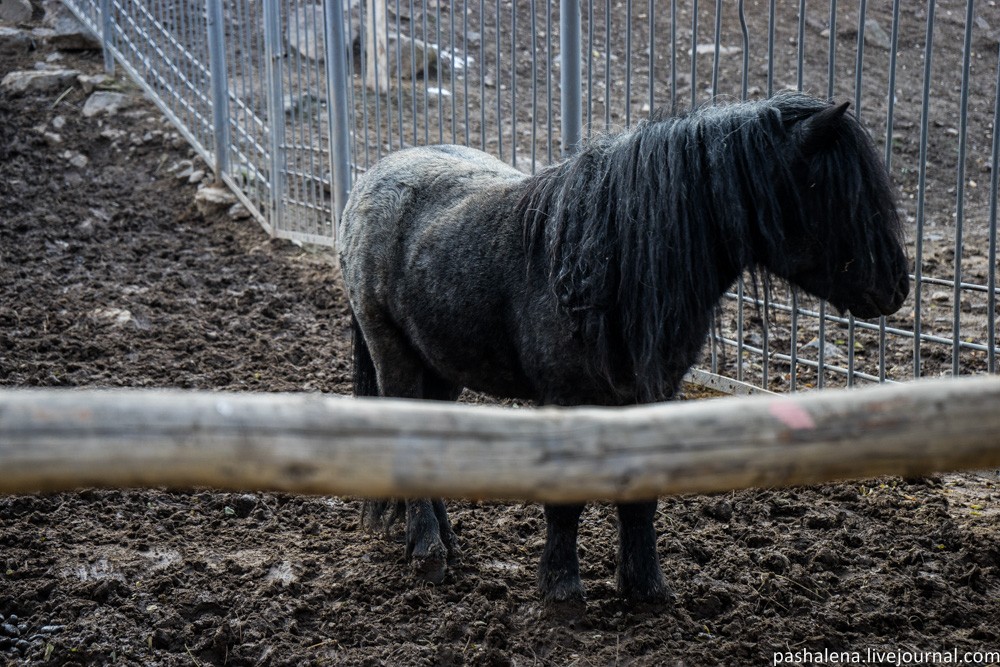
(302,104)
(196,176)
(941,296)
(39,81)
(78,160)
(409,48)
(67,31)
(829,349)
(89,82)
(113,316)
(14,41)
(42,34)
(113,134)
(214,199)
(876,36)
(15,11)
(305,30)
(105,102)
(709,49)
(59,122)
(51,138)
(239,212)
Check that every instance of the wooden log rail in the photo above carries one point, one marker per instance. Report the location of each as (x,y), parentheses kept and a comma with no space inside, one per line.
(64,439)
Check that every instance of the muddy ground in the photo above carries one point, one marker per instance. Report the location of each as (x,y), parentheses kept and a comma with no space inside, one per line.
(109,277)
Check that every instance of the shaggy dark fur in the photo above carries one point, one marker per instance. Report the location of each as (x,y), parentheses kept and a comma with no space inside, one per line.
(594,282)
(642,231)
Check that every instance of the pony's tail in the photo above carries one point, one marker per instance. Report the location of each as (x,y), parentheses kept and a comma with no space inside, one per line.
(376,515)
(365,380)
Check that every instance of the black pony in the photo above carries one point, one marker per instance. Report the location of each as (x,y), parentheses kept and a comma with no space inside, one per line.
(594,281)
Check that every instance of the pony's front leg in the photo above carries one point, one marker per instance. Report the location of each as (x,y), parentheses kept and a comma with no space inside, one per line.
(639,577)
(559,571)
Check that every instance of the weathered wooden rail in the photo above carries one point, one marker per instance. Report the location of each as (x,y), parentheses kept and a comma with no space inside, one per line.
(52,440)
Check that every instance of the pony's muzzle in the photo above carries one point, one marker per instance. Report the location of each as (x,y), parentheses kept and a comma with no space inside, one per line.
(902,291)
(884,302)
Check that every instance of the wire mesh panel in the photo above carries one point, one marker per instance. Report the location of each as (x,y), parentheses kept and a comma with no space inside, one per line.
(922,78)
(494,74)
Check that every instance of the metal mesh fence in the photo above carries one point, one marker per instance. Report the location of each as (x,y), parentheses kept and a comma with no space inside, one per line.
(291,100)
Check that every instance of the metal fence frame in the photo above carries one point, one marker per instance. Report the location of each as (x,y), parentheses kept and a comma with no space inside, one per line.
(247,83)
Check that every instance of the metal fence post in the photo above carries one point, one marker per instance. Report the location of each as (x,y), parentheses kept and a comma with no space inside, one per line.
(220,86)
(336,108)
(275,113)
(571,87)
(107,37)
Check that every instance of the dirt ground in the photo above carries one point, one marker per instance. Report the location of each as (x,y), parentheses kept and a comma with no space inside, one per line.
(109,277)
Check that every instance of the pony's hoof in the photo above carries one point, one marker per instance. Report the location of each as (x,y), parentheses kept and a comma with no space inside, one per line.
(431,566)
(654,599)
(454,555)
(564,603)
(568,611)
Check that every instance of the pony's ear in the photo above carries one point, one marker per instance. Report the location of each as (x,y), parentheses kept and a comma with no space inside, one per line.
(819,131)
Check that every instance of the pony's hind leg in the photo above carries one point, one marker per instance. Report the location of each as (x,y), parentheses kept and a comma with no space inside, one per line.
(559,572)
(425,549)
(639,577)
(430,541)
(431,544)
(437,389)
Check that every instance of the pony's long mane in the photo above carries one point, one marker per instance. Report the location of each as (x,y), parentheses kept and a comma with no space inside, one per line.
(640,233)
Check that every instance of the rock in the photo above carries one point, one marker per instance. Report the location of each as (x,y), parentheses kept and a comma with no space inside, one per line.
(59,122)
(213,199)
(305,30)
(301,104)
(39,81)
(15,11)
(67,31)
(239,212)
(245,504)
(112,134)
(876,36)
(941,296)
(107,102)
(436,92)
(114,316)
(829,349)
(14,41)
(78,160)
(196,176)
(89,82)
(42,34)
(709,49)
(178,166)
(51,138)
(426,57)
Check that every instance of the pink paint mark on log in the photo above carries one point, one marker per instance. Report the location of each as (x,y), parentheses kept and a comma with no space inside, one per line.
(791,415)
